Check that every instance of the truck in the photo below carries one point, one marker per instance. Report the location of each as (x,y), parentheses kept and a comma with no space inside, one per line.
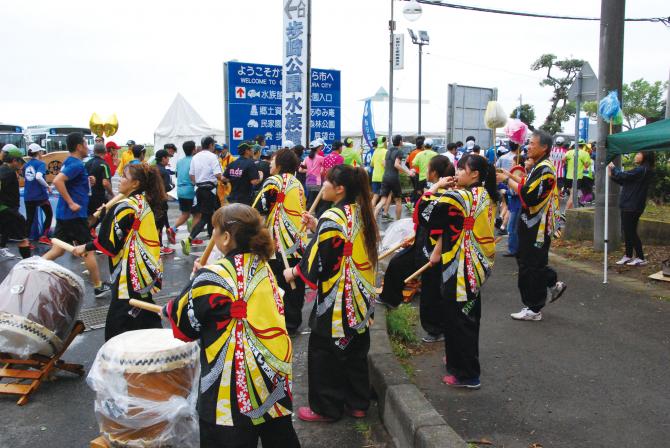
(14,135)
(53,138)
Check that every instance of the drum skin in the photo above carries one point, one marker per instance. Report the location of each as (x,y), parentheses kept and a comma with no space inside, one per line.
(39,304)
(146,389)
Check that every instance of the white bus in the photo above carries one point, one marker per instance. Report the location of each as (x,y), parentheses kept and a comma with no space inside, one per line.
(12,134)
(53,138)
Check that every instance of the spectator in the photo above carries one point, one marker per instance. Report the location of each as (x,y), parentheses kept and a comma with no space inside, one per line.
(314,167)
(558,158)
(127,156)
(112,156)
(12,223)
(452,150)
(632,201)
(102,188)
(162,161)
(583,163)
(139,152)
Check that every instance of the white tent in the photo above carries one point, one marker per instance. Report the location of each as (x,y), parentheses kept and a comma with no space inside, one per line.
(182,123)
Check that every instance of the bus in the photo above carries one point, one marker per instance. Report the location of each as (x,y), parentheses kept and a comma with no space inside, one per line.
(53,138)
(12,134)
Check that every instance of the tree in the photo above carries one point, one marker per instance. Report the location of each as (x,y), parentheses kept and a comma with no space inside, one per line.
(527,115)
(590,107)
(642,100)
(561,109)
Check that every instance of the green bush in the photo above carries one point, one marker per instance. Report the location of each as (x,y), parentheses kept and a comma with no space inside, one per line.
(401,324)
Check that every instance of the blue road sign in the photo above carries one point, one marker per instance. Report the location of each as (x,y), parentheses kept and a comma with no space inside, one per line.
(584,129)
(253,103)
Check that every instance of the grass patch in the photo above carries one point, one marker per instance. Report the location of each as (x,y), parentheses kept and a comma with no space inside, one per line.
(658,212)
(401,324)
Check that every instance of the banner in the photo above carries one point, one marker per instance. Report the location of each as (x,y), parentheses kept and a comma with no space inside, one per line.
(368,127)
(295,71)
(398,51)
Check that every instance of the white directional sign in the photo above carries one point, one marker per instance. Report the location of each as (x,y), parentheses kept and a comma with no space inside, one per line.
(295,71)
(398,51)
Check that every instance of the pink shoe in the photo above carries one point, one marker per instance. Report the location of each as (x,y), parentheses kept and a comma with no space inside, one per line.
(197,242)
(306,414)
(451,380)
(356,413)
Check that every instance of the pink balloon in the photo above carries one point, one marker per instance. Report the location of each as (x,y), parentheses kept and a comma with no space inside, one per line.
(516,130)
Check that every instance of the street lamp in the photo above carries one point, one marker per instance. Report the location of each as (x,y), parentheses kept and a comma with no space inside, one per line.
(421,40)
(412,12)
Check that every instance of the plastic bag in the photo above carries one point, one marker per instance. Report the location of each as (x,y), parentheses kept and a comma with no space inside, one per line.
(495,116)
(397,232)
(609,107)
(516,130)
(146,385)
(39,304)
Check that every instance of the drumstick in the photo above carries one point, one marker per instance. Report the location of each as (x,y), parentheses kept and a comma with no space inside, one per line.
(427,266)
(109,204)
(147,306)
(208,250)
(394,248)
(312,209)
(62,244)
(286,266)
(423,269)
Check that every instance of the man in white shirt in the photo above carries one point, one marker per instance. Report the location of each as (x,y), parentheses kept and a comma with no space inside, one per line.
(205,173)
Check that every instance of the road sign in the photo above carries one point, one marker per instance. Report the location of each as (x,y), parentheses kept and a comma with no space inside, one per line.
(584,128)
(589,85)
(258,111)
(398,51)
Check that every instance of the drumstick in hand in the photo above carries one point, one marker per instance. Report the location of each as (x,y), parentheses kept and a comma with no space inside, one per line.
(286,266)
(312,209)
(62,244)
(208,250)
(109,204)
(396,247)
(423,269)
(147,306)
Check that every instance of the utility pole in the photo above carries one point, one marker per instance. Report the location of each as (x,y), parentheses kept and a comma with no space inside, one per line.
(610,76)
(667,100)
(391,30)
(420,73)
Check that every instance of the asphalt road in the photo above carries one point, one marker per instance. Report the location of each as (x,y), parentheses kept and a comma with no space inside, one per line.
(60,413)
(592,373)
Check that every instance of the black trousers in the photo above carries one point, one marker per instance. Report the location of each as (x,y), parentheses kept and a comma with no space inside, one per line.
(462,338)
(31,210)
(629,221)
(402,265)
(161,216)
(294,299)
(119,320)
(338,377)
(431,305)
(276,433)
(535,274)
(207,204)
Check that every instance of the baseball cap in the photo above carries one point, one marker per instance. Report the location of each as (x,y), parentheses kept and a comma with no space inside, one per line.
(34,148)
(559,140)
(428,142)
(130,142)
(13,152)
(218,147)
(316,143)
(112,145)
(288,144)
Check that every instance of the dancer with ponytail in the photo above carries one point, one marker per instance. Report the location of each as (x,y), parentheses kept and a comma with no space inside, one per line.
(464,251)
(234,308)
(128,236)
(340,263)
(282,200)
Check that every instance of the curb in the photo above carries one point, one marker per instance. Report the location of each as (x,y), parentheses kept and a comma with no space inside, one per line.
(408,416)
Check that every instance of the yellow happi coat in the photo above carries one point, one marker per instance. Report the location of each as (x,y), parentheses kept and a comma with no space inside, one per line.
(465,218)
(282,201)
(128,235)
(235,309)
(336,264)
(539,199)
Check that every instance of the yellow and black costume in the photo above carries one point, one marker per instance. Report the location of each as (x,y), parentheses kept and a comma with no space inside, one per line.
(282,201)
(234,308)
(128,236)
(464,219)
(336,265)
(539,220)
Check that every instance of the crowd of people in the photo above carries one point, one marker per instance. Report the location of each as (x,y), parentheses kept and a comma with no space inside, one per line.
(244,307)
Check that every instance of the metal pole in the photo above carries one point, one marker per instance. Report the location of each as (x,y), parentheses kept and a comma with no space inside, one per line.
(610,77)
(420,62)
(391,29)
(575,159)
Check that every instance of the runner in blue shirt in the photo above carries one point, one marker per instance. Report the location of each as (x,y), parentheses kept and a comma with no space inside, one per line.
(185,187)
(36,192)
(73,184)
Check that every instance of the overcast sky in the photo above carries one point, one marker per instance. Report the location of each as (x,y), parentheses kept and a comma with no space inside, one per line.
(63,61)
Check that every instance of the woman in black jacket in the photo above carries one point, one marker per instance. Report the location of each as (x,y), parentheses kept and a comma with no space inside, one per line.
(633,199)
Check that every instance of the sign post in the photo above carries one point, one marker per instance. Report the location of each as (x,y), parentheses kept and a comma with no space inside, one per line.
(295,71)
(585,88)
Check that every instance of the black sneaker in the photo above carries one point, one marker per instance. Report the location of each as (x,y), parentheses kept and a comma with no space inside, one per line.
(103,290)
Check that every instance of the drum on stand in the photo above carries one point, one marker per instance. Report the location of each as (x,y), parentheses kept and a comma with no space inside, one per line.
(146,385)
(39,304)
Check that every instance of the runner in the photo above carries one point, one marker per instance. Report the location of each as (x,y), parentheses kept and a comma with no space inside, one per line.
(128,236)
(161,212)
(243,175)
(12,223)
(36,192)
(72,209)
(101,190)
(185,189)
(390,189)
(340,263)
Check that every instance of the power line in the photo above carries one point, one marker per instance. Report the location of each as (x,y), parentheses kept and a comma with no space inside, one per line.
(663,20)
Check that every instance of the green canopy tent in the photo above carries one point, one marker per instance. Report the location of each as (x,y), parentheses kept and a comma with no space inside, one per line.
(652,137)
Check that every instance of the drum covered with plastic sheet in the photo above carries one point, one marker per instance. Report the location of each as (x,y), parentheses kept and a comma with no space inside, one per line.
(39,304)
(146,385)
